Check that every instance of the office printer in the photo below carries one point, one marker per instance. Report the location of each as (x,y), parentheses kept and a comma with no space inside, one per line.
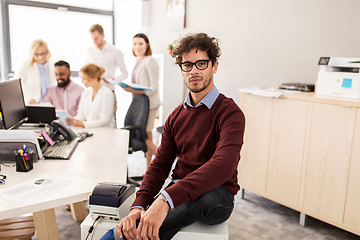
(339,77)
(11,139)
(111,200)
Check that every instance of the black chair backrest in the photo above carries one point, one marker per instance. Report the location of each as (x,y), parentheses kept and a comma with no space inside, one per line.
(137,115)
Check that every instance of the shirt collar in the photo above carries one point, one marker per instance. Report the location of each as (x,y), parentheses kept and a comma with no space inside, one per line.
(69,87)
(208,100)
(43,65)
(106,46)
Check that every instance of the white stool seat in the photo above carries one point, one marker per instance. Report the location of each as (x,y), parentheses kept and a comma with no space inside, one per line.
(199,231)
(196,231)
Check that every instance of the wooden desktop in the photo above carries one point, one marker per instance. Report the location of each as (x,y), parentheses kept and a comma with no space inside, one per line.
(100,158)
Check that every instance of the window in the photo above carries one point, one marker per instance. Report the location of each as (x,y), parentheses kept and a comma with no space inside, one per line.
(94,4)
(64,28)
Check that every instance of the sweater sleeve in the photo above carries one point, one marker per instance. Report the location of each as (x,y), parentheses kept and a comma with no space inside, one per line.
(223,163)
(21,73)
(120,63)
(152,71)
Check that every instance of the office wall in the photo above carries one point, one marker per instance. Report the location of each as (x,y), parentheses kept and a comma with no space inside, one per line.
(265,43)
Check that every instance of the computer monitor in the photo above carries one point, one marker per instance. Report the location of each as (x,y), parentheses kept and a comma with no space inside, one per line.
(12,104)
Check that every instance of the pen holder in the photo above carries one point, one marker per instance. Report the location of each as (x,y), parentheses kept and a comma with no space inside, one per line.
(24,163)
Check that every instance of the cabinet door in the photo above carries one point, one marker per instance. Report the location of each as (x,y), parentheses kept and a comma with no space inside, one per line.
(330,143)
(288,128)
(253,162)
(352,207)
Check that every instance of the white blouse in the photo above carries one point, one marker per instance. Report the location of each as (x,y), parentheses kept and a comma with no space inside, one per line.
(98,112)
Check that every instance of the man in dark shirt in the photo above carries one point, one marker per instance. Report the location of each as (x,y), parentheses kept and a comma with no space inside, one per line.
(205,134)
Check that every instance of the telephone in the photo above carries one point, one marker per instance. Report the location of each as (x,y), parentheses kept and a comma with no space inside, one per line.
(60,129)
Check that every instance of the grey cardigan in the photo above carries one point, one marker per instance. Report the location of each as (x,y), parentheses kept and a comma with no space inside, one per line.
(147,74)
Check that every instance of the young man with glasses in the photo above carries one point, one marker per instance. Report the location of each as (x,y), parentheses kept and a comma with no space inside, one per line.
(205,133)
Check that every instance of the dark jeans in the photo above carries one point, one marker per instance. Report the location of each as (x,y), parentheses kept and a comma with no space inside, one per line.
(211,208)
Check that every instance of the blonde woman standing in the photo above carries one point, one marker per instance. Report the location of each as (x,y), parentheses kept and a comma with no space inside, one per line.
(96,107)
(37,74)
(146,73)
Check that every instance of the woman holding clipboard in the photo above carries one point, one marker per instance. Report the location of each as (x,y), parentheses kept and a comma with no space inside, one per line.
(146,73)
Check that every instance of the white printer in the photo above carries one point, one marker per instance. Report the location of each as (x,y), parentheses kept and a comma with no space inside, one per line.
(339,77)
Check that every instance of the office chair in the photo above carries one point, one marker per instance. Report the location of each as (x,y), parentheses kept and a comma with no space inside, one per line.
(135,121)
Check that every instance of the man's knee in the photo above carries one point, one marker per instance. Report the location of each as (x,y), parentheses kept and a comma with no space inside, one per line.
(217,206)
(218,215)
(216,196)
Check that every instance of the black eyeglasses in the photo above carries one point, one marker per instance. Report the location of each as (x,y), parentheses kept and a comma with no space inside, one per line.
(201,65)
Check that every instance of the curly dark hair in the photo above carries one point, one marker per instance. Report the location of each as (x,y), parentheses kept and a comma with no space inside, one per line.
(197,41)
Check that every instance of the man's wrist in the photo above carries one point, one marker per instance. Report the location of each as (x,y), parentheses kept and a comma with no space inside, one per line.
(162,197)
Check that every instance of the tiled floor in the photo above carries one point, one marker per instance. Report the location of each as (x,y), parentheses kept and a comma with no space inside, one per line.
(258,218)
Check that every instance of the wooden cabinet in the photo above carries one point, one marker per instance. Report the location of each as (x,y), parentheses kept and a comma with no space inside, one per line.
(253,173)
(286,147)
(328,161)
(352,207)
(304,152)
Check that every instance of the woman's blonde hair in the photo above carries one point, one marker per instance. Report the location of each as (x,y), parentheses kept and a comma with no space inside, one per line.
(34,46)
(92,71)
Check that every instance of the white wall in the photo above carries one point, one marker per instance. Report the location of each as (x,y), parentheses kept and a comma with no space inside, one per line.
(265,42)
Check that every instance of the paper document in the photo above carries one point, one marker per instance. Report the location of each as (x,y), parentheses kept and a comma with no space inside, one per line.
(62,114)
(134,86)
(42,104)
(266,92)
(36,189)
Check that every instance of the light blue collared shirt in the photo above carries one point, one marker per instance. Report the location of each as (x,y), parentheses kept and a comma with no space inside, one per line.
(208,100)
(44,78)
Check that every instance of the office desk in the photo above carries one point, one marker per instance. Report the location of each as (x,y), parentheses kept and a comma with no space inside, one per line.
(100,158)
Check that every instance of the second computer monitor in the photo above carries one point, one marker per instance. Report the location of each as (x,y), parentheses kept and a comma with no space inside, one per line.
(12,103)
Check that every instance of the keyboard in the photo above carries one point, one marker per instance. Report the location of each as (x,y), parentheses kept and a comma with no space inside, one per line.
(60,150)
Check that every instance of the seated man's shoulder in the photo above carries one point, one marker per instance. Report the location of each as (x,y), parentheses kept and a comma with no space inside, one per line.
(51,93)
(173,115)
(177,110)
(228,105)
(227,102)
(52,89)
(77,87)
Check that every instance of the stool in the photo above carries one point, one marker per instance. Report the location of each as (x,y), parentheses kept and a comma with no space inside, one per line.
(196,231)
(17,228)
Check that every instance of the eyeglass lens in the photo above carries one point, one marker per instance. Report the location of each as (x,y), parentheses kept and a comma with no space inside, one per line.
(201,65)
(43,54)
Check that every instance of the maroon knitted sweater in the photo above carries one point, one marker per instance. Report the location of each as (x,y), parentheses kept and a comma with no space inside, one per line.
(207,143)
